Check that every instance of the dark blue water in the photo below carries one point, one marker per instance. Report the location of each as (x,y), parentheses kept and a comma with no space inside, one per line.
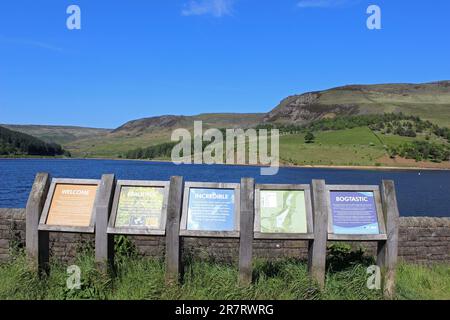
(420,193)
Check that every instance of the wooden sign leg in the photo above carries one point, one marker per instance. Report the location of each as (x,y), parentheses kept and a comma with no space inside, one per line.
(388,251)
(104,242)
(37,242)
(173,246)
(246,231)
(318,247)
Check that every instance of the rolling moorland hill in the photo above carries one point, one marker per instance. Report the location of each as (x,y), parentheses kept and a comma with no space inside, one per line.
(429,101)
(153,131)
(57,134)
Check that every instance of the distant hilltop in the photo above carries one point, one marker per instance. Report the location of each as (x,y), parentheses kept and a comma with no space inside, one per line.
(429,101)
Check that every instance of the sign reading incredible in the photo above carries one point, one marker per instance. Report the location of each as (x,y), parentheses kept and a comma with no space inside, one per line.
(354,213)
(211,210)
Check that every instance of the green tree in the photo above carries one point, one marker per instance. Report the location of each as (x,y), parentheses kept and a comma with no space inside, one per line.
(309,137)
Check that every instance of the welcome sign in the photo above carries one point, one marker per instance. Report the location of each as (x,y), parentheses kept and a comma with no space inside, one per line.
(354,212)
(72,205)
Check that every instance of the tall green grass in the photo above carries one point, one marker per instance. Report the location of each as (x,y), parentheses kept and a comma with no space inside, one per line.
(416,282)
(143,278)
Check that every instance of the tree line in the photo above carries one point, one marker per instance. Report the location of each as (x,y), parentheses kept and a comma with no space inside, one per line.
(163,150)
(421,151)
(18,143)
(388,123)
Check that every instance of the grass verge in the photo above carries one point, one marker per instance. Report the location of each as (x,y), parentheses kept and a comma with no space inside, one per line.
(143,278)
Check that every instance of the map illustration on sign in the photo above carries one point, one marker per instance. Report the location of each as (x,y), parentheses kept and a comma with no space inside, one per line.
(283,211)
(354,213)
(140,207)
(211,210)
(72,205)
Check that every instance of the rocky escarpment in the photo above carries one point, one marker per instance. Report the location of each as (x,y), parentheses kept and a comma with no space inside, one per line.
(305,108)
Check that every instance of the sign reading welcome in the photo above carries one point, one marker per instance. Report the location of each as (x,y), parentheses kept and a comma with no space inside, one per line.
(72,205)
(283,211)
(211,210)
(354,213)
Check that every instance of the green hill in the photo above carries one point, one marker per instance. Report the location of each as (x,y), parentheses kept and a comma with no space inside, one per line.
(13,143)
(430,101)
(57,134)
(153,131)
(337,145)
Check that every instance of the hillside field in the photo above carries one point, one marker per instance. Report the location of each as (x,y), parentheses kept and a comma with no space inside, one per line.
(350,147)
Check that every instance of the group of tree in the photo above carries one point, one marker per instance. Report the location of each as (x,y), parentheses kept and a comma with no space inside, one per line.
(421,151)
(389,123)
(163,150)
(159,151)
(309,137)
(18,143)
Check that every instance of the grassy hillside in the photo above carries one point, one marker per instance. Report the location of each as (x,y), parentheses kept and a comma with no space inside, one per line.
(153,131)
(343,147)
(370,140)
(430,101)
(58,134)
(349,147)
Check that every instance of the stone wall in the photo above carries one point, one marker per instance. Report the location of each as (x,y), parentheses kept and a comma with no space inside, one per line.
(422,240)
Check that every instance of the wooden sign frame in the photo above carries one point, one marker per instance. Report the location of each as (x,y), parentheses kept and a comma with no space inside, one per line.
(284,236)
(379,207)
(43,226)
(210,234)
(161,231)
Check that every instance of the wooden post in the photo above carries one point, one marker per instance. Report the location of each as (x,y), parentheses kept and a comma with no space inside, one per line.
(246,230)
(318,246)
(388,250)
(37,242)
(173,251)
(104,242)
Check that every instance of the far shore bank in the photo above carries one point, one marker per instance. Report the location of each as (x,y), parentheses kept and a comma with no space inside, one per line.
(283,165)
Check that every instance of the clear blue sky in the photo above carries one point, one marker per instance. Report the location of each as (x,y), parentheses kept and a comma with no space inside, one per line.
(141,58)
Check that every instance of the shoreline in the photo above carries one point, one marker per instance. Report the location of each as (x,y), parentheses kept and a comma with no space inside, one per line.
(340,167)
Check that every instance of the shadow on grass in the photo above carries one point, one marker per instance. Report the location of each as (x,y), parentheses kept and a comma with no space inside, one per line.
(341,257)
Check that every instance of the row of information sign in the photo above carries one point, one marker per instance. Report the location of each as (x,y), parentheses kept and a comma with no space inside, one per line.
(315,212)
(208,208)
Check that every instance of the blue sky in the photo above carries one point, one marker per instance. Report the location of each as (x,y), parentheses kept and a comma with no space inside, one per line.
(137,58)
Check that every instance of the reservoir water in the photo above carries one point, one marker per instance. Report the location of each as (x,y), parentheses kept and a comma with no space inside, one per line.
(419,193)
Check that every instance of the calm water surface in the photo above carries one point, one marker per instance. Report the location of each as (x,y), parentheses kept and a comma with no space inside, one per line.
(420,193)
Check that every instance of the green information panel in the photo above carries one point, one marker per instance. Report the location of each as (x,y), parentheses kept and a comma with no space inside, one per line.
(283,211)
(140,207)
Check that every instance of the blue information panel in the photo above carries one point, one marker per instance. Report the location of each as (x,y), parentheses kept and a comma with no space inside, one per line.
(211,210)
(354,213)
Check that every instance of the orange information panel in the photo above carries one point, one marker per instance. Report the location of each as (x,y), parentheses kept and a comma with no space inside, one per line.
(72,205)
